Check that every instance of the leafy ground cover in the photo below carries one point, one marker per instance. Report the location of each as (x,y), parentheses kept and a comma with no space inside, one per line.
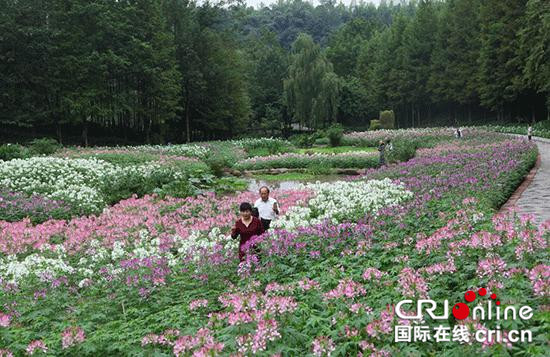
(153,276)
(335,150)
(293,160)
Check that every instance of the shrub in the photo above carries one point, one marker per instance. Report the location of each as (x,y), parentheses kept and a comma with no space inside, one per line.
(375,124)
(304,140)
(263,146)
(402,150)
(335,133)
(316,168)
(216,163)
(301,161)
(322,141)
(44,146)
(13,151)
(387,119)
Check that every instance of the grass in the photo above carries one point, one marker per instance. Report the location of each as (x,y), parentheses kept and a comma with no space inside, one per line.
(336,150)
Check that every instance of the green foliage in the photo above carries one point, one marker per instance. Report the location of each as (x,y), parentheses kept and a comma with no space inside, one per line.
(335,150)
(264,146)
(312,88)
(225,185)
(197,72)
(305,140)
(402,150)
(318,169)
(222,155)
(387,119)
(335,133)
(44,146)
(13,151)
(375,124)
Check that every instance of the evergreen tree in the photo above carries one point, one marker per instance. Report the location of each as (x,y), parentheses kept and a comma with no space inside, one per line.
(534,49)
(500,71)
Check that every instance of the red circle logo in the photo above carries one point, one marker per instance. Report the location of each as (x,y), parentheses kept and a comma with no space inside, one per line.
(482,292)
(470,296)
(461,311)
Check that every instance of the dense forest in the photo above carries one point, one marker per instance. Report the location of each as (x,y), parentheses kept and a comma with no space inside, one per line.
(157,71)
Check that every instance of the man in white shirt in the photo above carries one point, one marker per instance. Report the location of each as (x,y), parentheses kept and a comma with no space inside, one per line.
(268,208)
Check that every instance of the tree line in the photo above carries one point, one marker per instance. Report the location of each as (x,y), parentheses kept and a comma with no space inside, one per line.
(175,71)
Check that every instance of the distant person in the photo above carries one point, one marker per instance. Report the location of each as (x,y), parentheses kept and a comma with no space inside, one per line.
(458,133)
(247,226)
(382,149)
(529,132)
(389,145)
(268,207)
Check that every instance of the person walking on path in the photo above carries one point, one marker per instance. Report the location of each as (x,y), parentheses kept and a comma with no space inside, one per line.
(268,207)
(529,132)
(382,149)
(247,227)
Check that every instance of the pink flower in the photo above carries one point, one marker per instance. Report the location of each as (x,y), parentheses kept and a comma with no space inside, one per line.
(36,345)
(323,346)
(383,325)
(195,304)
(491,267)
(540,279)
(373,272)
(412,284)
(346,288)
(72,336)
(5,320)
(5,353)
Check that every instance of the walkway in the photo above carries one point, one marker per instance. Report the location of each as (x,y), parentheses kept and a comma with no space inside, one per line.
(536,197)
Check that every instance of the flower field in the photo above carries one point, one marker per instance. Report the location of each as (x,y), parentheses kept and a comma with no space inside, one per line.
(153,276)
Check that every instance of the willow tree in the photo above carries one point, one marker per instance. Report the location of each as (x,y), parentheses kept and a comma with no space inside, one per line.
(312,88)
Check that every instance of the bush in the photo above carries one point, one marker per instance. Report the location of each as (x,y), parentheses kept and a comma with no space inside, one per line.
(13,151)
(387,119)
(315,168)
(301,161)
(305,140)
(322,141)
(44,146)
(375,124)
(335,133)
(216,163)
(402,150)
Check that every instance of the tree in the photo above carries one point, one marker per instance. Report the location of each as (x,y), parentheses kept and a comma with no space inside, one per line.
(500,70)
(312,88)
(454,60)
(345,45)
(534,48)
(269,65)
(419,40)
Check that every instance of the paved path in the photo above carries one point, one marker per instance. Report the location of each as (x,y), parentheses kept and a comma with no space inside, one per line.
(536,197)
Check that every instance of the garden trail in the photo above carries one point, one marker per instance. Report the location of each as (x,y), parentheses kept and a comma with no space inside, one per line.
(536,198)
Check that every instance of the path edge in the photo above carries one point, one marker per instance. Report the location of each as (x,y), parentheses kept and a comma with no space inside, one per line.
(514,198)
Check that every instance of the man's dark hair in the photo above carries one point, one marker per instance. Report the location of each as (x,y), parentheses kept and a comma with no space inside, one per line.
(261,188)
(245,206)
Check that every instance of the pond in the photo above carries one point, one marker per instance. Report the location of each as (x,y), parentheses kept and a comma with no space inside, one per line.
(255,183)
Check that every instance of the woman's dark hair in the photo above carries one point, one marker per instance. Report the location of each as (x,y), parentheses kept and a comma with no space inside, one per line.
(245,206)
